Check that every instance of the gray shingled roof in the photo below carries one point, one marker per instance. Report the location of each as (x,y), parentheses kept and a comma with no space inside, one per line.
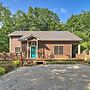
(47,35)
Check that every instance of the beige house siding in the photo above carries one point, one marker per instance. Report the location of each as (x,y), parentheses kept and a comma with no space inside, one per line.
(49,48)
(14,43)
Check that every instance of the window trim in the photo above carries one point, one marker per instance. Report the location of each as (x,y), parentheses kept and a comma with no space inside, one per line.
(58,46)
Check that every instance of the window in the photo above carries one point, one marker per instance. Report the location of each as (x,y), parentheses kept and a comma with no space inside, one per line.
(17,49)
(33,43)
(58,50)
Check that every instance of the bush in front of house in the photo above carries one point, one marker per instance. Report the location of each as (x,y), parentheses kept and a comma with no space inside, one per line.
(60,62)
(2,71)
(88,61)
(8,68)
(7,65)
(16,63)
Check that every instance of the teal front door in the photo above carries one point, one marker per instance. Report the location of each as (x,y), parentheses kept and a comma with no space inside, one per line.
(33,51)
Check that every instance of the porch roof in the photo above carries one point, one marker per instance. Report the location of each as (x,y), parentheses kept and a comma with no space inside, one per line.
(47,35)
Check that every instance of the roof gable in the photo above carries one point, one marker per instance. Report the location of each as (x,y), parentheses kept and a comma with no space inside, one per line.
(23,38)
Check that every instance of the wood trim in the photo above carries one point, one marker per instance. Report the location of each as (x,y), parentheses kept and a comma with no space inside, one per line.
(78,48)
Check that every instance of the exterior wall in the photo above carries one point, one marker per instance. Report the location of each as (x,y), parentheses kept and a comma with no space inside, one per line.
(14,43)
(48,47)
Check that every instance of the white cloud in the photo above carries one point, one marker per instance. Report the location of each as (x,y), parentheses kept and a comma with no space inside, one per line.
(63,10)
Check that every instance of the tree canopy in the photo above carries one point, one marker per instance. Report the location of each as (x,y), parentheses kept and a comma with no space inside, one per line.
(80,25)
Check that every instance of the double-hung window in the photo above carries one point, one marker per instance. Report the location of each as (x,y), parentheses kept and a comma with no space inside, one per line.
(58,50)
(17,49)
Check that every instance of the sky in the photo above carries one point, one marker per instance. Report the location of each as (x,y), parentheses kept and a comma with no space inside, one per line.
(63,8)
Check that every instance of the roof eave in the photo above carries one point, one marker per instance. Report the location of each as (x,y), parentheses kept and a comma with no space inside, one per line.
(13,35)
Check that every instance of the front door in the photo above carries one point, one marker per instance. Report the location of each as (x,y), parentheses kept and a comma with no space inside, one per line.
(33,51)
(74,50)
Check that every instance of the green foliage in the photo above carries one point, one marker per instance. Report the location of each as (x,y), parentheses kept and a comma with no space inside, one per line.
(8,68)
(65,61)
(86,45)
(60,62)
(80,25)
(2,71)
(6,27)
(88,62)
(7,65)
(4,63)
(16,63)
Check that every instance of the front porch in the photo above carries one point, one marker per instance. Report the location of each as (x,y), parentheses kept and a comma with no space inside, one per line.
(31,50)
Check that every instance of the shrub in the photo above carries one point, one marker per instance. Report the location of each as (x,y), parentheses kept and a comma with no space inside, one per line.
(60,62)
(8,68)
(4,55)
(2,63)
(7,65)
(88,61)
(16,63)
(35,62)
(2,70)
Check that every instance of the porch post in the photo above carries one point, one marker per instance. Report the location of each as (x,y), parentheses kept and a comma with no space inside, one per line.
(27,49)
(21,47)
(70,50)
(78,48)
(37,48)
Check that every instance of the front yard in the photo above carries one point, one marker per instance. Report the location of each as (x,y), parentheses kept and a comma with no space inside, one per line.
(48,77)
(9,65)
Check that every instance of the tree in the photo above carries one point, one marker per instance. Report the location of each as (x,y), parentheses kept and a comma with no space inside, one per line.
(43,20)
(80,25)
(6,28)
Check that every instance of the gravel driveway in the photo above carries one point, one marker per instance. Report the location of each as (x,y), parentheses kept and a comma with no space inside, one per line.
(47,77)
